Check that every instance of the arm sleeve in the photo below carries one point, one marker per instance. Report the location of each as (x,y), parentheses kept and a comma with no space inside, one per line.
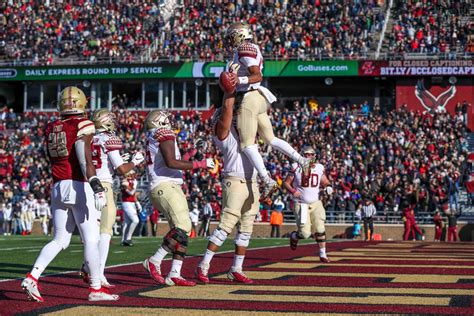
(81,156)
(115,158)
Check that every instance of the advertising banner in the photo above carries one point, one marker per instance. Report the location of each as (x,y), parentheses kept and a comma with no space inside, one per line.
(174,70)
(418,96)
(417,68)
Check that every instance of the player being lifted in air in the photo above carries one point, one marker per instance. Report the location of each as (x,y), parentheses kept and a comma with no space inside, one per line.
(165,176)
(253,101)
(107,160)
(240,201)
(309,210)
(77,195)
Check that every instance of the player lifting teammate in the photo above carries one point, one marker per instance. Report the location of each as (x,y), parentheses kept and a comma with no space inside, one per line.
(77,194)
(252,101)
(106,156)
(240,196)
(165,176)
(309,210)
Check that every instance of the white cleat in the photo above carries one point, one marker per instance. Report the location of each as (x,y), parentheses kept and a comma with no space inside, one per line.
(101,294)
(30,286)
(106,284)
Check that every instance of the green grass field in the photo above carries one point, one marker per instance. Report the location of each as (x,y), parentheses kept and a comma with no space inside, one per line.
(18,253)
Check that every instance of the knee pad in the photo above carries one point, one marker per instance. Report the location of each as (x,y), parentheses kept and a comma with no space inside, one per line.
(176,241)
(218,237)
(320,237)
(242,239)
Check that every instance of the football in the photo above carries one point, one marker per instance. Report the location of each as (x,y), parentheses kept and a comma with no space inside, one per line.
(228,81)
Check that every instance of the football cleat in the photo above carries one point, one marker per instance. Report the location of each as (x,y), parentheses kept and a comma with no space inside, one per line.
(178,281)
(154,271)
(84,274)
(269,187)
(31,287)
(127,243)
(102,294)
(239,277)
(202,274)
(324,259)
(293,240)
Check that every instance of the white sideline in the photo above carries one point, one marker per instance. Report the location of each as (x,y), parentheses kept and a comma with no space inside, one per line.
(139,262)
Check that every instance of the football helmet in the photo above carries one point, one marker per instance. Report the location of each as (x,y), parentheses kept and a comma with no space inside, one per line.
(159,119)
(237,33)
(308,150)
(104,120)
(72,101)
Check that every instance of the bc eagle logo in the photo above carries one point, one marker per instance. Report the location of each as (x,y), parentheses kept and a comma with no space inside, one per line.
(429,101)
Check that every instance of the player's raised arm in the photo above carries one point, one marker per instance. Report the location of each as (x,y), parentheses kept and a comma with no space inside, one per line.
(224,121)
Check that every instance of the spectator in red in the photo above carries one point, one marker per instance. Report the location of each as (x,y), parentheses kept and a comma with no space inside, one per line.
(154,218)
(439,224)
(411,227)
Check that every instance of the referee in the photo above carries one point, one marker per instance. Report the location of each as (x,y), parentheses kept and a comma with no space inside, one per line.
(368,212)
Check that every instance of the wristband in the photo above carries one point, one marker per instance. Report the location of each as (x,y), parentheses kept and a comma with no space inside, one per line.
(199,164)
(292,190)
(96,185)
(243,80)
(189,154)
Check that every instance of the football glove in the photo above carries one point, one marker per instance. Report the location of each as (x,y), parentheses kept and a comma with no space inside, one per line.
(329,190)
(233,67)
(206,163)
(100,200)
(200,144)
(138,206)
(126,157)
(138,158)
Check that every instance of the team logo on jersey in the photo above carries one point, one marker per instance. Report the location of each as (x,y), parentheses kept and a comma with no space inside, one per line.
(429,101)
(228,184)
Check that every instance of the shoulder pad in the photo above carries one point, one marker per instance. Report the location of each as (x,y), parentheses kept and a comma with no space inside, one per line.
(113,143)
(247,50)
(163,134)
(85,127)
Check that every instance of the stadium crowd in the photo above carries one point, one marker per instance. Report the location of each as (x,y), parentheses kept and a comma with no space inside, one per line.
(432,27)
(387,157)
(41,34)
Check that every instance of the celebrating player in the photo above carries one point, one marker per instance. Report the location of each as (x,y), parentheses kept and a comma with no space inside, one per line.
(240,197)
(77,194)
(106,156)
(309,210)
(253,101)
(164,171)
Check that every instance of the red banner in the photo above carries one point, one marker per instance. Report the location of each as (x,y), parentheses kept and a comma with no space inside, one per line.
(417,68)
(419,97)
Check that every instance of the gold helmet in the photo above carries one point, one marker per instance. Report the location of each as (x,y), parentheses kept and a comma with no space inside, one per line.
(104,120)
(159,119)
(237,33)
(72,101)
(308,150)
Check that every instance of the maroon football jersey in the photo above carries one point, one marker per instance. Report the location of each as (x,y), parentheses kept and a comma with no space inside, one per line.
(61,136)
(131,186)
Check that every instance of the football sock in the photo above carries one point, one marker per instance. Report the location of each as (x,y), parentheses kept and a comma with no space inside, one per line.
(91,253)
(159,256)
(286,148)
(104,244)
(47,254)
(256,159)
(322,252)
(131,227)
(237,265)
(175,271)
(125,228)
(206,260)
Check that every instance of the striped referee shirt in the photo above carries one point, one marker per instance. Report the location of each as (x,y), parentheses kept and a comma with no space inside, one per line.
(368,210)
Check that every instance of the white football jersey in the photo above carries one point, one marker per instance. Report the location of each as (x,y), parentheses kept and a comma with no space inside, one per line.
(247,55)
(308,186)
(236,164)
(156,167)
(106,155)
(44,209)
(32,205)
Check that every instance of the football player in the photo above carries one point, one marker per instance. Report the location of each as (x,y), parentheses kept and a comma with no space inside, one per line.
(253,101)
(131,207)
(77,194)
(44,214)
(165,175)
(240,197)
(107,160)
(309,210)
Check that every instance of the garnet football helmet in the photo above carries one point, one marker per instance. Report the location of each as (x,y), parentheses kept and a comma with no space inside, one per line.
(104,120)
